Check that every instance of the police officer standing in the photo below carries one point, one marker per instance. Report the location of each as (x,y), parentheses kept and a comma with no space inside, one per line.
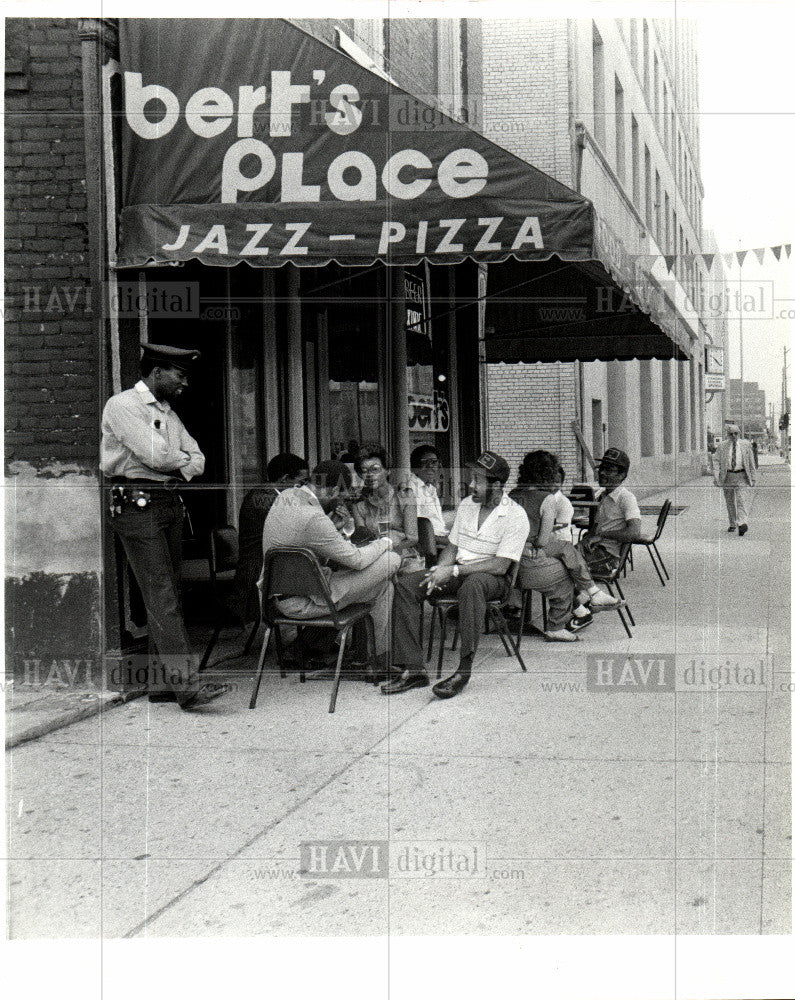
(145,454)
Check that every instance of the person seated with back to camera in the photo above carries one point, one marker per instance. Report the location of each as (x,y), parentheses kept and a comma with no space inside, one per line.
(383,509)
(356,574)
(283,471)
(554,538)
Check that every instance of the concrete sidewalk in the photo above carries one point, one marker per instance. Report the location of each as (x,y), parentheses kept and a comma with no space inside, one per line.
(567,809)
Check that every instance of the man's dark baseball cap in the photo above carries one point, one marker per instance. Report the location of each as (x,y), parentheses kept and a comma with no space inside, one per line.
(493,465)
(169,357)
(617,457)
(330,473)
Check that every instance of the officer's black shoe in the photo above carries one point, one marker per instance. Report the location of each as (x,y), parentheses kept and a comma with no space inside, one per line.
(741,529)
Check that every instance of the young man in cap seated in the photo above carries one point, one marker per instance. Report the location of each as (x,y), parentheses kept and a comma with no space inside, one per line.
(357,575)
(617,516)
(146,452)
(488,534)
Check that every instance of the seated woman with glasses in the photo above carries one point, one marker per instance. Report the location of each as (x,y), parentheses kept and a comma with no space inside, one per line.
(383,509)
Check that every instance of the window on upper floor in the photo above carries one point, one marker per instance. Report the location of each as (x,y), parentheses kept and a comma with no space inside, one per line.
(635,164)
(646,60)
(449,82)
(656,91)
(621,165)
(657,208)
(647,186)
(598,87)
(667,242)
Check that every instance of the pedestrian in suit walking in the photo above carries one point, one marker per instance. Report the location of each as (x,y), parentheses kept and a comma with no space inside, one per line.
(736,475)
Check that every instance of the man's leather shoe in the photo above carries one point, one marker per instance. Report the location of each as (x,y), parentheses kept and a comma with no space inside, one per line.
(406,682)
(741,529)
(203,696)
(451,686)
(731,528)
(160,696)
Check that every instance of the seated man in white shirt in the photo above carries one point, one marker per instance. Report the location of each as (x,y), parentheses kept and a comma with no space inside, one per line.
(488,534)
(424,482)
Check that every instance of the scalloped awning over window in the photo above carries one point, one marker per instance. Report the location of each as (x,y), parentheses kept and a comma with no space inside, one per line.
(251,140)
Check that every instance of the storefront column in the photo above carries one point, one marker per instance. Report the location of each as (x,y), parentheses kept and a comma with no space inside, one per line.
(270,376)
(452,376)
(617,405)
(400,385)
(295,365)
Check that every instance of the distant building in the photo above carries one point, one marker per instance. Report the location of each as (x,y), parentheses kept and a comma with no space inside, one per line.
(748,407)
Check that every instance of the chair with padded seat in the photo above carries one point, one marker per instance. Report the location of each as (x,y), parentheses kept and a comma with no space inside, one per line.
(650,543)
(223,563)
(244,566)
(443,605)
(292,571)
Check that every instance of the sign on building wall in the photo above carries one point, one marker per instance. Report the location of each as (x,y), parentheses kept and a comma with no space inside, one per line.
(714,376)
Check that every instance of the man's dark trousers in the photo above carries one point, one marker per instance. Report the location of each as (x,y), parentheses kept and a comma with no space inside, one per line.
(152,540)
(473,591)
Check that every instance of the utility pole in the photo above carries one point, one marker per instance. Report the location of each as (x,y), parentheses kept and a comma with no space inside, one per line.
(742,373)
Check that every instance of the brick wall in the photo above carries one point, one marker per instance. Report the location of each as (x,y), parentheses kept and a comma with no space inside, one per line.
(413,55)
(526,91)
(51,354)
(532,406)
(51,359)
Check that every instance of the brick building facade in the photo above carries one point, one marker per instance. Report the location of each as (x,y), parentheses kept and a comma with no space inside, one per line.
(609,107)
(51,356)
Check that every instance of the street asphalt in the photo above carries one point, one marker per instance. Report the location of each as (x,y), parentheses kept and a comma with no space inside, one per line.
(549,802)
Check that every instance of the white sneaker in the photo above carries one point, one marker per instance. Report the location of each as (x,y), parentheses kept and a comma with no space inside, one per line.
(600,601)
(561,635)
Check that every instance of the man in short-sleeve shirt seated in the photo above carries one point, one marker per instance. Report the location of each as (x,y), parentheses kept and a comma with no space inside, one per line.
(617,517)
(488,534)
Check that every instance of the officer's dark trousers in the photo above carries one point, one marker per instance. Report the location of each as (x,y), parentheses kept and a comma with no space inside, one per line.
(152,540)
(473,592)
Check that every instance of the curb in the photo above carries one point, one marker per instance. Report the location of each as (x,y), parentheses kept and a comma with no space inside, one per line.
(67,718)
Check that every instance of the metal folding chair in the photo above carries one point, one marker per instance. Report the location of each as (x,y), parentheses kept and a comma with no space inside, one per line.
(442,606)
(651,543)
(611,579)
(291,571)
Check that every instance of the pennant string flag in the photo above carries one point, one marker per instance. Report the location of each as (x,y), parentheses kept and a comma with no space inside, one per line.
(741,255)
(777,252)
(760,254)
